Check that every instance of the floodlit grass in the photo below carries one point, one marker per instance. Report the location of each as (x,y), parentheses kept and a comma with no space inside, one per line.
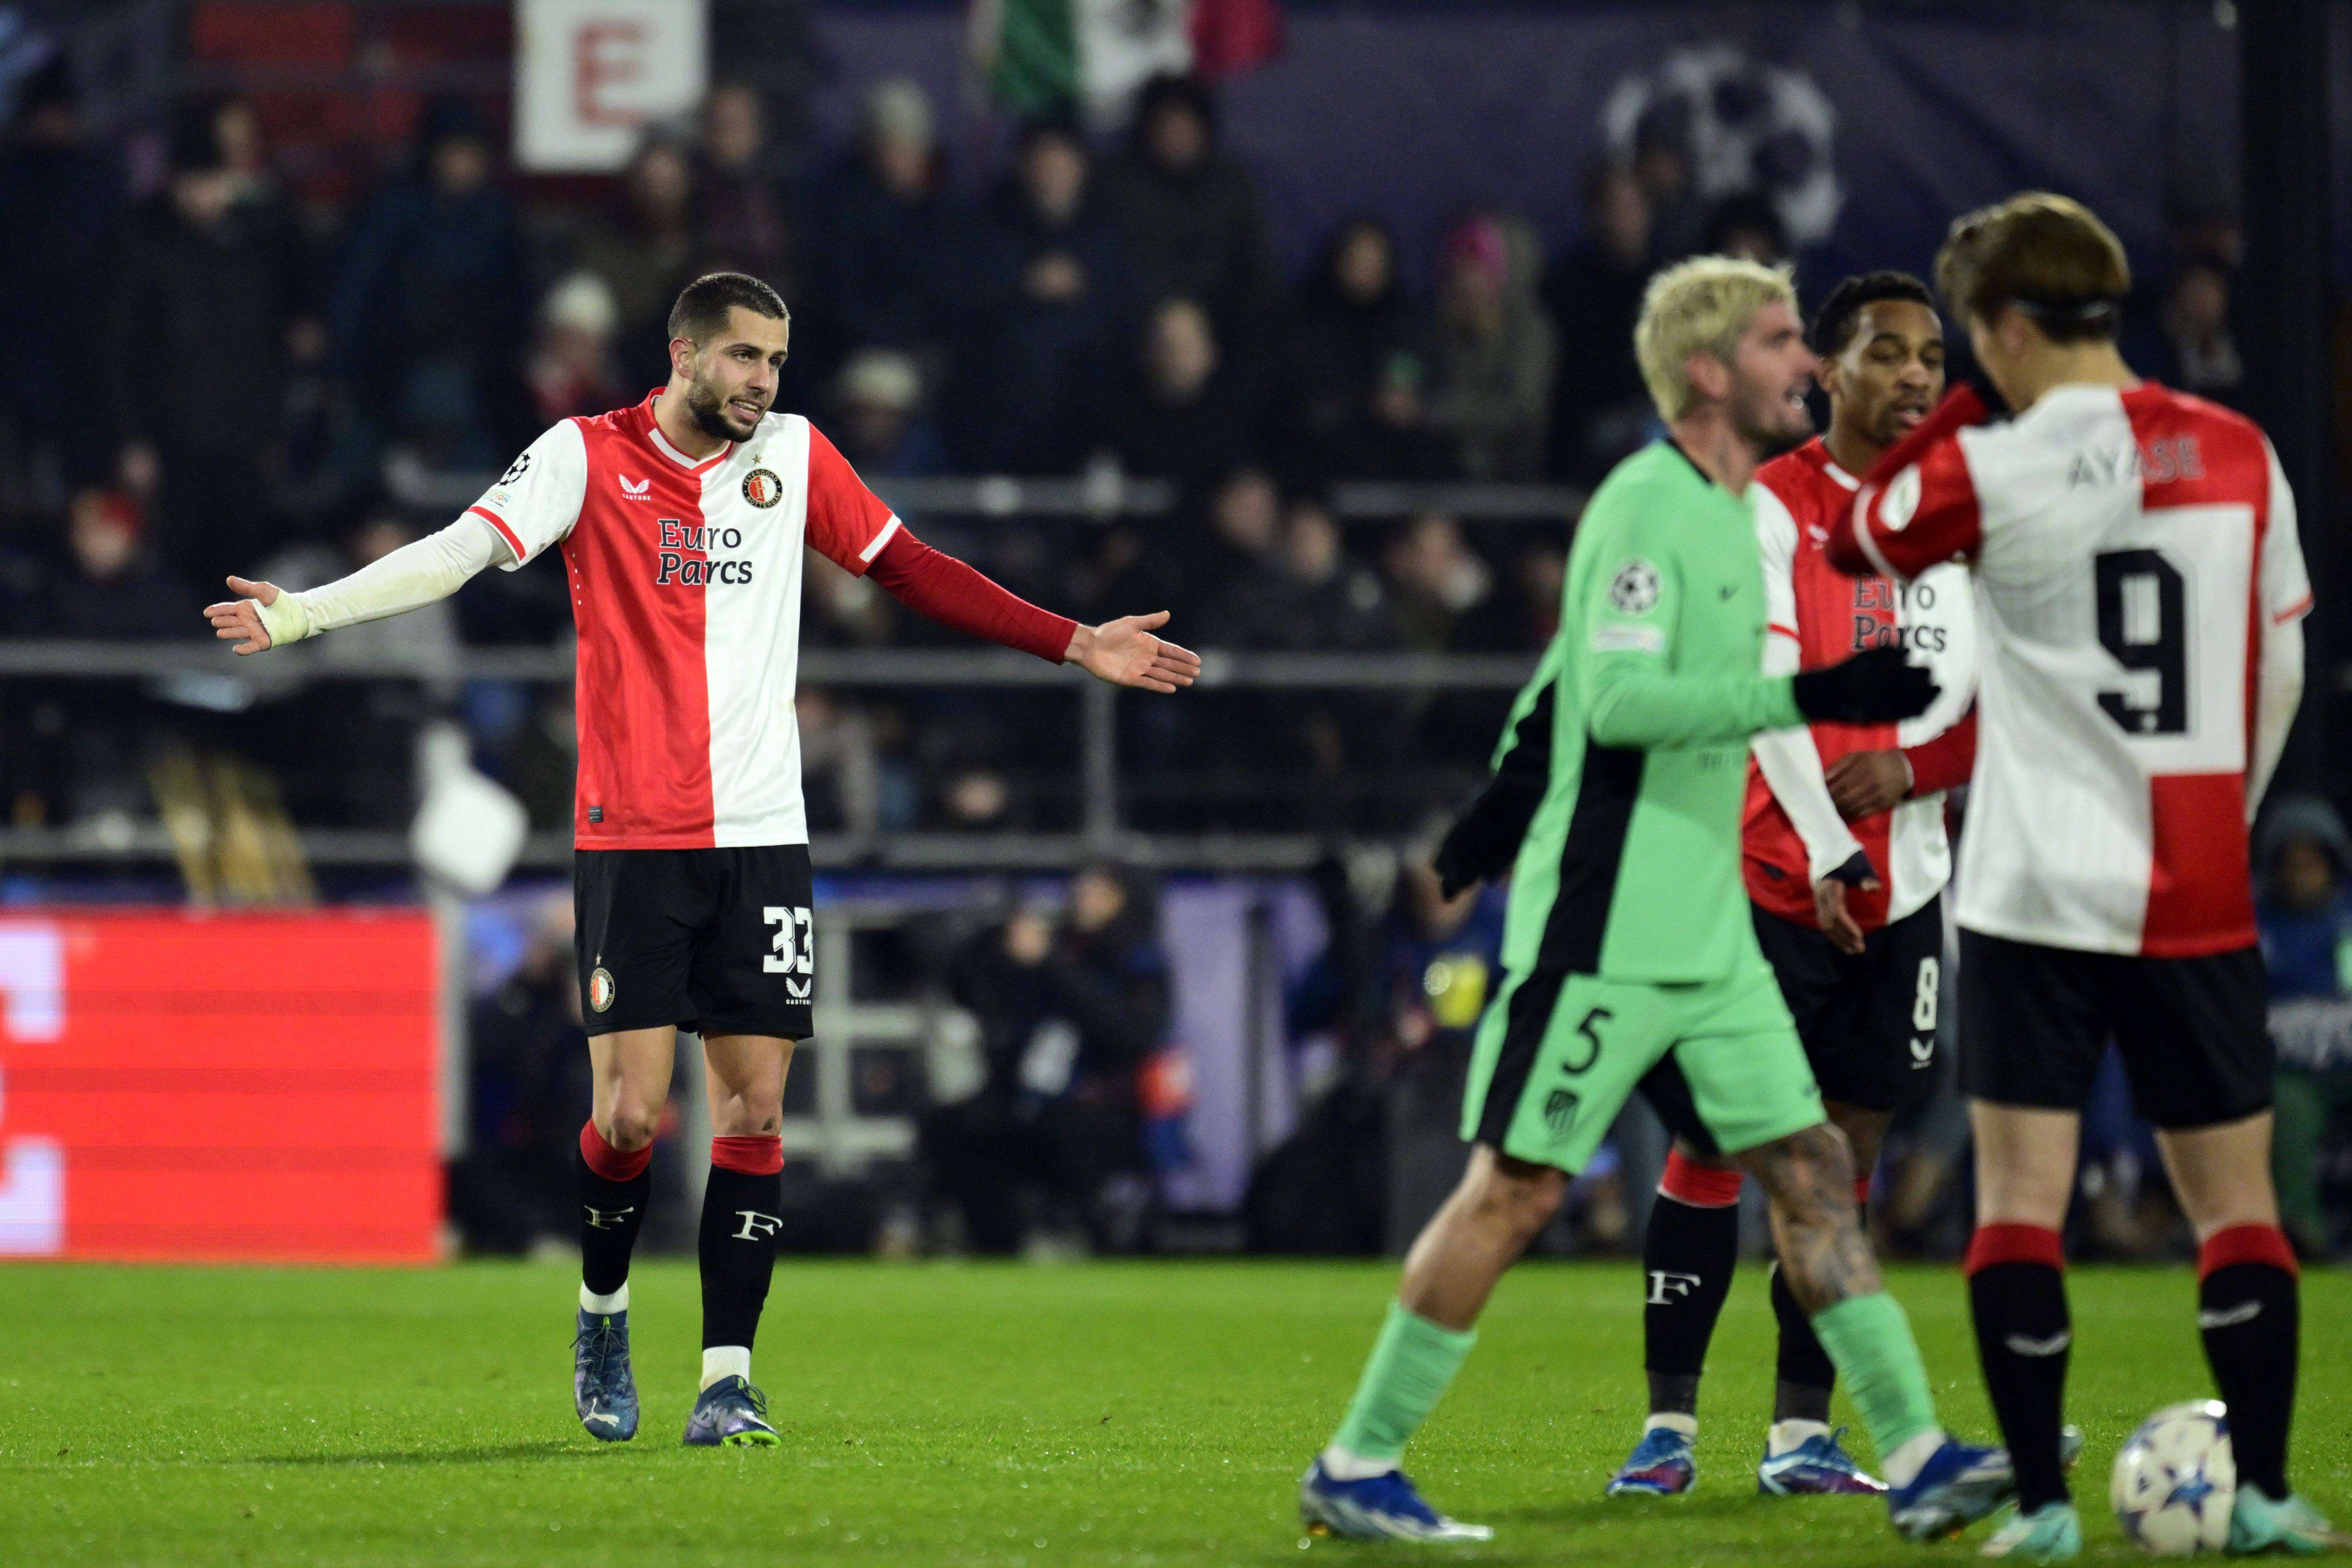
(1119,1413)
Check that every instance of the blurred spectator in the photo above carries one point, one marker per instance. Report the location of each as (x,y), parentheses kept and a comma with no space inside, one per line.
(110,590)
(1435,580)
(1662,166)
(1191,218)
(2305,915)
(1440,961)
(426,311)
(1347,323)
(1068,1019)
(2202,356)
(529,1093)
(1244,526)
(1530,614)
(1600,411)
(840,767)
(63,198)
(205,301)
(1181,416)
(1494,351)
(645,250)
(1748,226)
(881,429)
(1392,435)
(572,369)
(887,236)
(745,223)
(1052,304)
(1304,596)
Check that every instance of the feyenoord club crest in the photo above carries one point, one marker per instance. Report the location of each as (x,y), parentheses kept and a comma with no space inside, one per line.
(762,489)
(600,989)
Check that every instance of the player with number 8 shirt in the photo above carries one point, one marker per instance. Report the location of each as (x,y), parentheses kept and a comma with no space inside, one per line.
(684,524)
(1628,951)
(1845,858)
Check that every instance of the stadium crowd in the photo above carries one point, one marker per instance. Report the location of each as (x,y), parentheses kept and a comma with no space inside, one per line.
(288,386)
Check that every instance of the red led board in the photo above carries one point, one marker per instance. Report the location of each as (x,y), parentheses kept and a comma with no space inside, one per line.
(219,1087)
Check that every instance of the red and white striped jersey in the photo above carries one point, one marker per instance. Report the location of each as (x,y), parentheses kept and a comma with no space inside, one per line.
(2131,551)
(1793,835)
(686,588)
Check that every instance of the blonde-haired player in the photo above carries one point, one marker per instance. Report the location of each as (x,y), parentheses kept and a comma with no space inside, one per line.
(1628,951)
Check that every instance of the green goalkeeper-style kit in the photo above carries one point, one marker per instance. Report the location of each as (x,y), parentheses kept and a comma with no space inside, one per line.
(1628,946)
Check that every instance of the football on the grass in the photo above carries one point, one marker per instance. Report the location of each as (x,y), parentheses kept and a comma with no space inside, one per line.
(2174,1482)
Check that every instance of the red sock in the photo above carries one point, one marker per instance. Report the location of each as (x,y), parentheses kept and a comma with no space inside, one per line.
(1701,1186)
(753,1156)
(613,1164)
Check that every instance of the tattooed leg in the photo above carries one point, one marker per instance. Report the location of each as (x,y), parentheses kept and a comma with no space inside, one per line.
(1808,1177)
(1826,1260)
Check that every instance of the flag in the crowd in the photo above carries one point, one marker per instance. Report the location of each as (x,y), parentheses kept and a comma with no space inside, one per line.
(1050,57)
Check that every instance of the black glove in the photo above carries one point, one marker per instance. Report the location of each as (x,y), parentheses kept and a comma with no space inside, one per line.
(1876,687)
(1856,870)
(1485,839)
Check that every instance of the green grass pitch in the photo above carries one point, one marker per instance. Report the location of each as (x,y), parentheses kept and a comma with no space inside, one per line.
(939,1414)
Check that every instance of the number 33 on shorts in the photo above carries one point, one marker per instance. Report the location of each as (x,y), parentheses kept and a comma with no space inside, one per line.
(793,948)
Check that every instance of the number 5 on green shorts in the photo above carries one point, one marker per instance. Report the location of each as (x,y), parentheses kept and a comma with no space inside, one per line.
(1558,1055)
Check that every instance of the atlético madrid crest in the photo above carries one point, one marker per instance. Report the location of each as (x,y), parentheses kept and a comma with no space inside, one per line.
(762,489)
(600,989)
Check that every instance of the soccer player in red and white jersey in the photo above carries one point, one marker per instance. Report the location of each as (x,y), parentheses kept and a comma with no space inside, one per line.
(683,524)
(2139,587)
(1845,859)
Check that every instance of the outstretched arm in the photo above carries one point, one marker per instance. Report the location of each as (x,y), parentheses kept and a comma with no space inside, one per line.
(1123,652)
(264,615)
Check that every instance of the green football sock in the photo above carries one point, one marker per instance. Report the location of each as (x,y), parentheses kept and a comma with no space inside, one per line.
(1411,1366)
(1869,1339)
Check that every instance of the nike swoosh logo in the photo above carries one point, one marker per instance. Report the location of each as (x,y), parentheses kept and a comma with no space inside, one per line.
(2021,1345)
(1730,589)
(2230,1317)
(1923,1053)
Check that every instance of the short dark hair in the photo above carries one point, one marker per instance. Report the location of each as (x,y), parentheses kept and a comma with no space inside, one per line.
(702,305)
(2048,256)
(1834,324)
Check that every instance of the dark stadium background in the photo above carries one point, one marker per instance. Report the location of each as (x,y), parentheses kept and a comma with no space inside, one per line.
(241,1022)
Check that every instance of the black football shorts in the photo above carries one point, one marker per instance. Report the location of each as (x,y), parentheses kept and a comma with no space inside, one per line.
(715,941)
(1867,1020)
(2035,1020)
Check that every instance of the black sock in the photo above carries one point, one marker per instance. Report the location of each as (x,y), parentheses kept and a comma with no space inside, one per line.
(742,1212)
(2017,1292)
(2248,1314)
(611,1212)
(1687,1258)
(1805,1375)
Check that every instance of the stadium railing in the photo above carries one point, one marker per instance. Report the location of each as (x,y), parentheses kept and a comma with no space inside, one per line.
(218,679)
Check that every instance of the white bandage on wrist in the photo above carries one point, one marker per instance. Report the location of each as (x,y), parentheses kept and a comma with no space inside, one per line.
(288,620)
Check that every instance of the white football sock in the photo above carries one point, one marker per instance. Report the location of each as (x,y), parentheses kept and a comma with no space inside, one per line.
(1343,1466)
(1673,1421)
(726,1361)
(1903,1466)
(1783,1436)
(618,1302)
